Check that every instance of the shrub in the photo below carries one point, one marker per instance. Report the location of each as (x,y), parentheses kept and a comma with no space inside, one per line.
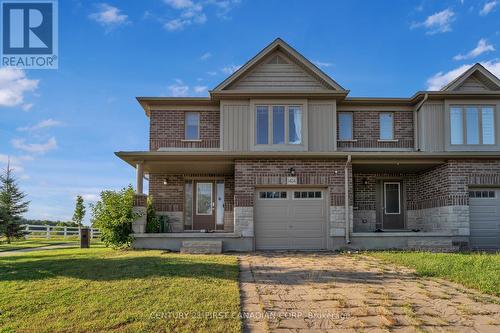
(113,214)
(152,220)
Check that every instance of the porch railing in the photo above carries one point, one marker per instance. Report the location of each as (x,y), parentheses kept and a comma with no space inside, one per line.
(156,144)
(373,144)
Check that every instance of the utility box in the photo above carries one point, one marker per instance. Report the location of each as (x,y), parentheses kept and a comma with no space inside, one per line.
(85,238)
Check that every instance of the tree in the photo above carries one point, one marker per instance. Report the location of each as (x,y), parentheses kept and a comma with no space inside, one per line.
(12,206)
(79,213)
(113,214)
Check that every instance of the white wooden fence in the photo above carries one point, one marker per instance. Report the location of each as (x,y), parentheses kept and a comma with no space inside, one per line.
(48,231)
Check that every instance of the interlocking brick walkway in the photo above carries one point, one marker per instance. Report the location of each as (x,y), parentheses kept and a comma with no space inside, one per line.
(326,292)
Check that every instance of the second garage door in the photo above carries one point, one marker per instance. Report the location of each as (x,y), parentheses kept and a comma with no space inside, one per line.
(485,218)
(290,219)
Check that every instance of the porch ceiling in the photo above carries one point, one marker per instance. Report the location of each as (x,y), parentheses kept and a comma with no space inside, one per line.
(394,166)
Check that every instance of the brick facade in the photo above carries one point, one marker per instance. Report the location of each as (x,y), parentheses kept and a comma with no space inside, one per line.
(250,173)
(366,130)
(166,130)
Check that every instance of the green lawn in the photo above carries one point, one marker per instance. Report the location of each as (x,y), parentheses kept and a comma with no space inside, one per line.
(480,271)
(100,289)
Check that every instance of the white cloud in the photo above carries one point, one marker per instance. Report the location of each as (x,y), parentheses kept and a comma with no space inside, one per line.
(482,47)
(13,86)
(437,23)
(440,79)
(35,148)
(200,89)
(212,73)
(230,69)
(108,15)
(488,7)
(15,162)
(27,106)
(192,12)
(90,197)
(205,56)
(322,64)
(178,89)
(41,125)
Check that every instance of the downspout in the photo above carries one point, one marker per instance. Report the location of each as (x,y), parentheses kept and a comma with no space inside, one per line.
(415,121)
(346,201)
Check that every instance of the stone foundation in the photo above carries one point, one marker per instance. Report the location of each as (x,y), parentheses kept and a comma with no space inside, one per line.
(243,221)
(337,220)
(451,219)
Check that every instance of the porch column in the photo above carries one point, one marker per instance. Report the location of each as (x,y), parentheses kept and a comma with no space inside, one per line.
(139,189)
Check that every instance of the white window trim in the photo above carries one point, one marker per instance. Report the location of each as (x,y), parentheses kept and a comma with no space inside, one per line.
(385,197)
(479,107)
(259,198)
(391,139)
(294,198)
(186,126)
(211,195)
(286,124)
(254,103)
(352,127)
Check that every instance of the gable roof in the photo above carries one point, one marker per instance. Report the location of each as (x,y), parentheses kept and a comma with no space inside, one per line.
(279,45)
(477,75)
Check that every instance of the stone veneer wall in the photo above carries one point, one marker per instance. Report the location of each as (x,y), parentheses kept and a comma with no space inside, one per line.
(251,173)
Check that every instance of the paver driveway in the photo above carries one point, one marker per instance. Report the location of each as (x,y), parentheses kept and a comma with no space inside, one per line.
(326,292)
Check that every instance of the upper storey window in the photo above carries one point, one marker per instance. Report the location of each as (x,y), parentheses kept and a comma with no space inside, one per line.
(345,126)
(472,125)
(278,125)
(192,126)
(386,120)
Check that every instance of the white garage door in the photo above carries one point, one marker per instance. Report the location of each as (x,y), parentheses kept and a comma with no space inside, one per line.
(485,218)
(290,219)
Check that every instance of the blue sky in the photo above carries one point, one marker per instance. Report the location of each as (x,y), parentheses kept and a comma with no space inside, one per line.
(61,127)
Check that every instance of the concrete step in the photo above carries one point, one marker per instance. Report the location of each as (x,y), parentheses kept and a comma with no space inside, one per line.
(201,247)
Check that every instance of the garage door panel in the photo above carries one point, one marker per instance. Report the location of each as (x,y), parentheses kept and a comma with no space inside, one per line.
(289,223)
(485,220)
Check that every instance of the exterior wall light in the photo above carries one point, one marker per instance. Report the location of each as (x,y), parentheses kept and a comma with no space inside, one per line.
(292,172)
(165,181)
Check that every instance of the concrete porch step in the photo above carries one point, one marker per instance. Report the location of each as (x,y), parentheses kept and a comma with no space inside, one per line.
(201,247)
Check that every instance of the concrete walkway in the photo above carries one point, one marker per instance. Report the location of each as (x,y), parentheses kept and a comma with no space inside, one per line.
(325,292)
(41,248)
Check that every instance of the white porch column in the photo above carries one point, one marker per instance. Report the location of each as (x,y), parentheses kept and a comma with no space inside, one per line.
(139,189)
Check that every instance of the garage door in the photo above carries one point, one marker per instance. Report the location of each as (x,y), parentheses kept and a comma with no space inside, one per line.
(485,218)
(290,219)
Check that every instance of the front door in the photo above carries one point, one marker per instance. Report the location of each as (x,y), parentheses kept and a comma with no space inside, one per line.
(392,205)
(204,206)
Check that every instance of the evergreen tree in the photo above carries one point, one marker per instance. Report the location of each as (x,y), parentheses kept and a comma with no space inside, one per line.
(12,206)
(79,213)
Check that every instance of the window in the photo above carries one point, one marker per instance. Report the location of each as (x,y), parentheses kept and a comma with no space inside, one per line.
(472,125)
(345,126)
(294,125)
(204,199)
(391,198)
(386,126)
(262,127)
(272,195)
(278,125)
(456,126)
(192,127)
(482,194)
(307,195)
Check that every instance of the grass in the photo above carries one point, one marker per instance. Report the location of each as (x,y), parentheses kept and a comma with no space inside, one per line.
(480,271)
(33,242)
(105,290)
